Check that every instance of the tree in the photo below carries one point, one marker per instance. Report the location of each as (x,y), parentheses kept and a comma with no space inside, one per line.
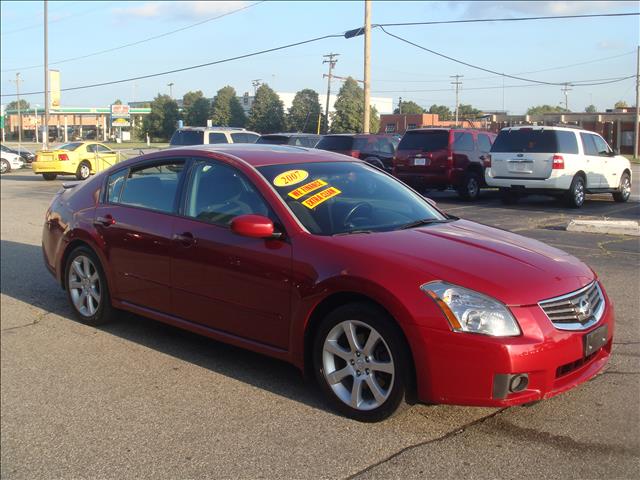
(542,109)
(408,108)
(267,112)
(304,112)
(161,122)
(349,110)
(591,109)
(117,101)
(621,104)
(442,111)
(226,110)
(467,111)
(195,109)
(24,105)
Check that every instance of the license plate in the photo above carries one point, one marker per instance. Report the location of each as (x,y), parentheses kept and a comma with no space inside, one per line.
(593,341)
(420,162)
(520,167)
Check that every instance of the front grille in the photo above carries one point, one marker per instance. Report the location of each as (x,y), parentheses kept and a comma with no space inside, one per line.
(577,310)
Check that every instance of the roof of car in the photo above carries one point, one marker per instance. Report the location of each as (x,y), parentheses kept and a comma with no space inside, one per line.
(290,134)
(206,129)
(259,155)
(422,129)
(546,127)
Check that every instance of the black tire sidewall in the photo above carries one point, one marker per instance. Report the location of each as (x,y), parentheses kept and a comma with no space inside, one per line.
(463,190)
(386,327)
(104,311)
(7,164)
(79,174)
(571,195)
(619,195)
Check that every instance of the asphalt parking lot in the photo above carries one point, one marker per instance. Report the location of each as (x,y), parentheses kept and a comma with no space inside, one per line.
(138,399)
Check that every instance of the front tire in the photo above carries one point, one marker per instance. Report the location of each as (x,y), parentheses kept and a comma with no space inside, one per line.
(574,197)
(624,190)
(360,362)
(87,289)
(49,176)
(5,166)
(470,188)
(84,170)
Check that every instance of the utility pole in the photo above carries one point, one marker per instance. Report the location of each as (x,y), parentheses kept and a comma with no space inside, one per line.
(332,60)
(457,83)
(367,66)
(566,91)
(17,81)
(256,83)
(635,134)
(45,139)
(170,85)
(400,106)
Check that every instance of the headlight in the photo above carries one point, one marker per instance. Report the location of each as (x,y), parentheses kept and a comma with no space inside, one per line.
(469,311)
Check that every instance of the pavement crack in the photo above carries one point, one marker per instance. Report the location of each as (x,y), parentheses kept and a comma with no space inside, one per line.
(36,321)
(427,442)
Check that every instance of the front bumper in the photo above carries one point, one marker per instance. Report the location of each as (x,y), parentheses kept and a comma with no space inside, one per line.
(54,166)
(462,369)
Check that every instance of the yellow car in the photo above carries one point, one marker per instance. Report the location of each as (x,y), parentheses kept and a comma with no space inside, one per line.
(76,158)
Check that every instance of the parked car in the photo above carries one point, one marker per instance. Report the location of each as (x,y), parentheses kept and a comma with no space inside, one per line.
(558,161)
(9,160)
(297,139)
(75,158)
(328,263)
(442,158)
(211,135)
(26,154)
(375,149)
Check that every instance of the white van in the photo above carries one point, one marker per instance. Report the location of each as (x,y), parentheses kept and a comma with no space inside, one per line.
(556,161)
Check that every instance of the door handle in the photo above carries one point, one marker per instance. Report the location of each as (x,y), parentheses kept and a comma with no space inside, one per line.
(185,239)
(104,221)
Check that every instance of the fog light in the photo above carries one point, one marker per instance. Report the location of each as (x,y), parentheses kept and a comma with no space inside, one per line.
(518,383)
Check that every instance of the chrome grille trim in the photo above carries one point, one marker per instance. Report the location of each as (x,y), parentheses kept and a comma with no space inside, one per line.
(563,311)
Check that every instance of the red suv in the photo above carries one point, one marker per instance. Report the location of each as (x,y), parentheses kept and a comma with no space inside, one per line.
(444,157)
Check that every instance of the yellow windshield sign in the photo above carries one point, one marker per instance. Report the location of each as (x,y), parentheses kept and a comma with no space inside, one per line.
(290,177)
(307,188)
(316,199)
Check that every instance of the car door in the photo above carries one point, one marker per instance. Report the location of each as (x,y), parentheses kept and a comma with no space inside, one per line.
(239,285)
(484,147)
(105,157)
(135,221)
(612,171)
(595,164)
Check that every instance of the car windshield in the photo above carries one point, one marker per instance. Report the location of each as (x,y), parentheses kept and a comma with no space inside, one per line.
(69,146)
(187,137)
(335,143)
(273,139)
(331,198)
(427,141)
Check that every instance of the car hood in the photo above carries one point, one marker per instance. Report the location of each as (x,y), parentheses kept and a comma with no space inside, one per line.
(514,269)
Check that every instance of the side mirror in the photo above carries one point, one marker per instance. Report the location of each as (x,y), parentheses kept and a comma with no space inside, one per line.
(253,226)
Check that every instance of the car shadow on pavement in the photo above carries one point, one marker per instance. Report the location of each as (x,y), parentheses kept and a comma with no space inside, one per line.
(25,278)
(29,176)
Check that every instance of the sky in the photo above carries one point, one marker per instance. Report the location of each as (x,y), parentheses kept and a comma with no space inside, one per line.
(605,48)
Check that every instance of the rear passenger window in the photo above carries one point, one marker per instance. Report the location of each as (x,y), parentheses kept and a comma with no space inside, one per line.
(567,142)
(484,143)
(244,137)
(153,187)
(463,142)
(588,144)
(217,138)
(114,186)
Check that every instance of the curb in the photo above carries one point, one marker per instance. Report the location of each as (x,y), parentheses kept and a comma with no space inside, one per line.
(612,227)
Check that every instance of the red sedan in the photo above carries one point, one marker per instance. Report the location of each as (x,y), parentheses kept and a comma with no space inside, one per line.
(334,266)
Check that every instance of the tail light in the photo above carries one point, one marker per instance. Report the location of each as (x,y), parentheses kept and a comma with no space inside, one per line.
(558,162)
(355,153)
(63,156)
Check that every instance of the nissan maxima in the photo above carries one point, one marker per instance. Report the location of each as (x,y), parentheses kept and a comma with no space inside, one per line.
(333,265)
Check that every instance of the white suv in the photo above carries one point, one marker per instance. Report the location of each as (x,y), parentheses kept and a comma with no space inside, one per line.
(211,135)
(559,161)
(9,160)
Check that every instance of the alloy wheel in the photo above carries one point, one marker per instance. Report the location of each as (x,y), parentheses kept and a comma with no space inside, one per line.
(358,365)
(626,187)
(4,166)
(84,171)
(84,286)
(578,192)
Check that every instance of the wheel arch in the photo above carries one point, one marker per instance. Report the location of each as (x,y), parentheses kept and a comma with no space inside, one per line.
(70,247)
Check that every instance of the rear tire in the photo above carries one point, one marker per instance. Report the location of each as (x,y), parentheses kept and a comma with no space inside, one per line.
(84,170)
(49,176)
(362,379)
(87,289)
(5,166)
(508,196)
(574,197)
(470,188)
(624,190)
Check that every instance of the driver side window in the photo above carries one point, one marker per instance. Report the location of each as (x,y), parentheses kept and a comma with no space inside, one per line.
(91,148)
(217,193)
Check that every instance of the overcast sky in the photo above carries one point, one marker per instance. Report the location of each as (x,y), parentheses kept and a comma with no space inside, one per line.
(79,29)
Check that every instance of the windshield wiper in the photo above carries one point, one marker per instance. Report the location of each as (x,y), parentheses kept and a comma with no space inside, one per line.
(424,221)
(351,232)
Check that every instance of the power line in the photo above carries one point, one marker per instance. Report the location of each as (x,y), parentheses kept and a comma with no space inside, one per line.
(192,67)
(138,42)
(477,67)
(512,19)
(60,19)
